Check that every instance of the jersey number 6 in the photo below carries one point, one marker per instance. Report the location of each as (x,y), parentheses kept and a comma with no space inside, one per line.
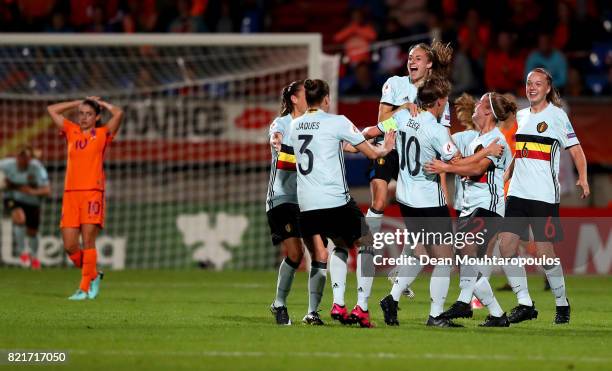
(304,150)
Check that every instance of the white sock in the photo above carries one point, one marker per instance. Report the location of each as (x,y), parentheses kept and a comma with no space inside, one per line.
(484,293)
(316,284)
(557,284)
(467,281)
(517,277)
(337,273)
(405,276)
(374,220)
(364,283)
(286,272)
(438,288)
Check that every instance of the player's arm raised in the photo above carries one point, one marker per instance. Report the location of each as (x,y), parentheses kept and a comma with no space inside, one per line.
(56,111)
(374,152)
(114,123)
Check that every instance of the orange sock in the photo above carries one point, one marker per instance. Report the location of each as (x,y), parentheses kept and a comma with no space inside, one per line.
(89,271)
(77,258)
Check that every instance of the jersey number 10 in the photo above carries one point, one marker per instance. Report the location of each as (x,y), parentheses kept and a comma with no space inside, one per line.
(406,150)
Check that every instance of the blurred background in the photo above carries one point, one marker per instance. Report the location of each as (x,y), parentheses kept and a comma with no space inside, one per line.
(188,173)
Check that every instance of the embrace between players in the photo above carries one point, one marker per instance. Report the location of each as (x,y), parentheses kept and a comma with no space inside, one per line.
(308,200)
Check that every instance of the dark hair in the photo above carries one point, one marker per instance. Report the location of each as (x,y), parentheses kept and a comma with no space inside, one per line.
(96,107)
(316,90)
(26,150)
(464,107)
(501,106)
(432,89)
(440,55)
(289,90)
(553,95)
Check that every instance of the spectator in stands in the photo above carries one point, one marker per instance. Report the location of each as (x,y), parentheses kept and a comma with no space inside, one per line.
(252,20)
(58,24)
(462,74)
(473,35)
(549,58)
(607,89)
(364,83)
(357,37)
(140,16)
(575,87)
(392,57)
(186,22)
(503,66)
(99,23)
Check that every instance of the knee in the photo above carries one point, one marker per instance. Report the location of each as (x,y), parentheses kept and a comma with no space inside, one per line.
(71,246)
(18,216)
(295,253)
(31,232)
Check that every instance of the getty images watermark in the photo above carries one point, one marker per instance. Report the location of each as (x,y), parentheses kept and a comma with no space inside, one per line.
(458,240)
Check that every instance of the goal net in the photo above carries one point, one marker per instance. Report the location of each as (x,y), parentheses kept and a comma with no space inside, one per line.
(188,172)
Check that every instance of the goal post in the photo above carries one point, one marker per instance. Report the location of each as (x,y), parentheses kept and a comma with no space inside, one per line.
(188,172)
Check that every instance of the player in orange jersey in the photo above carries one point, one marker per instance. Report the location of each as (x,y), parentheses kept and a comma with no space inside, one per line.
(83,205)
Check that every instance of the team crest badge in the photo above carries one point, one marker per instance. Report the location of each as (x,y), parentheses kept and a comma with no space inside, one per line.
(542,126)
(288,228)
(381,161)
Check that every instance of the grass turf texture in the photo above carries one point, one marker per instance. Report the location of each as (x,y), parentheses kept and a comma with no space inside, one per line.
(196,319)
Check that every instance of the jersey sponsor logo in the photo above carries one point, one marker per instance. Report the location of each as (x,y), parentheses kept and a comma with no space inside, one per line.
(542,126)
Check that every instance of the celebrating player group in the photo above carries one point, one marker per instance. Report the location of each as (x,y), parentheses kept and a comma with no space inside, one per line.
(308,201)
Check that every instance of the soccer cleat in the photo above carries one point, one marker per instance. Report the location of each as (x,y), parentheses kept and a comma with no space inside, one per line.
(440,321)
(78,295)
(522,313)
(25,260)
(339,313)
(281,315)
(476,304)
(35,264)
(313,319)
(563,314)
(408,293)
(94,286)
(459,309)
(361,317)
(389,308)
(392,276)
(491,321)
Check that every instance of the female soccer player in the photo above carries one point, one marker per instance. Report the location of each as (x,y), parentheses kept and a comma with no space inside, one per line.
(533,196)
(483,205)
(400,92)
(282,203)
(83,204)
(27,184)
(326,208)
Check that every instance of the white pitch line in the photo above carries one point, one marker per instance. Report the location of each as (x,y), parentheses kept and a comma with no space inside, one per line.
(381,355)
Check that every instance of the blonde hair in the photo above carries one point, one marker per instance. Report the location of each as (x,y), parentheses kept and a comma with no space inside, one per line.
(464,107)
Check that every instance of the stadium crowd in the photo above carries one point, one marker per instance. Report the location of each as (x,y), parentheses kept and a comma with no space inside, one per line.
(495,43)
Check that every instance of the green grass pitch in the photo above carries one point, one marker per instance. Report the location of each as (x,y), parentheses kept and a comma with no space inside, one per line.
(166,320)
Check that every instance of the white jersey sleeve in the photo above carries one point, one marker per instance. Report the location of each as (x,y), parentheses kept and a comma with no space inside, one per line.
(567,136)
(348,132)
(445,120)
(443,143)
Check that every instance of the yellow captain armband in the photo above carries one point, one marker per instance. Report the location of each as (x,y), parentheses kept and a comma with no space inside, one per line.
(389,124)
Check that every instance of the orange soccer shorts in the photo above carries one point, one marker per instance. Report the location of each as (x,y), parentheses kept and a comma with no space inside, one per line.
(82,207)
